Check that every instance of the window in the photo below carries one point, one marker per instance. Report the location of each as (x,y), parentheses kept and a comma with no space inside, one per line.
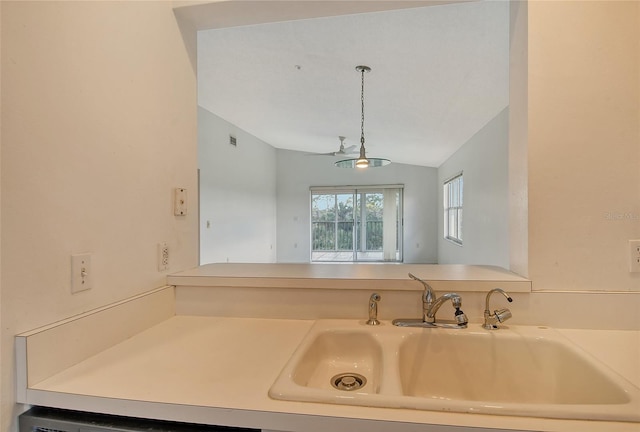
(453,209)
(356,224)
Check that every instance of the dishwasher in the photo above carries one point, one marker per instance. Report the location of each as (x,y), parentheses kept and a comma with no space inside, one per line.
(42,419)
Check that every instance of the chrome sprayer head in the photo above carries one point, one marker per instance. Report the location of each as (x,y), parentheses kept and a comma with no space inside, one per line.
(461,318)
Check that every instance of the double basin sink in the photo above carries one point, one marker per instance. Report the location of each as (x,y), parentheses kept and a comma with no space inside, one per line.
(520,370)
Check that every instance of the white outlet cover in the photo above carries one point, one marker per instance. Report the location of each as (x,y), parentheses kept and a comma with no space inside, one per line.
(163,256)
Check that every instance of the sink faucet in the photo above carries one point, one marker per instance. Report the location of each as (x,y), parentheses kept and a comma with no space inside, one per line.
(431,305)
(499,316)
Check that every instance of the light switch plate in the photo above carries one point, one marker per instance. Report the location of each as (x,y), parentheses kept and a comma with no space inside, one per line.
(180,202)
(634,256)
(81,273)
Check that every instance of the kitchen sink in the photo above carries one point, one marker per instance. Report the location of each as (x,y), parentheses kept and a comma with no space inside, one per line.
(517,370)
(333,356)
(502,367)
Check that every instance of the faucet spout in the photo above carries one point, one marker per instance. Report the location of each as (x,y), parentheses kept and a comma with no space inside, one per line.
(498,290)
(430,306)
(499,316)
(456,301)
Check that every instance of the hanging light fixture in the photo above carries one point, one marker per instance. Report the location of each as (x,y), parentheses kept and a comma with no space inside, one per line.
(362,161)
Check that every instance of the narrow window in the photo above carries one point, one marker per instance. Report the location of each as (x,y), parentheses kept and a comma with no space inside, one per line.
(453,209)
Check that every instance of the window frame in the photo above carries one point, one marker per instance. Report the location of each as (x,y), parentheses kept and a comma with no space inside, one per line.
(359,193)
(453,205)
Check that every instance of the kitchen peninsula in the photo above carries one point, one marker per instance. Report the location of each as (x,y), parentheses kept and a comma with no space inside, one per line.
(167,354)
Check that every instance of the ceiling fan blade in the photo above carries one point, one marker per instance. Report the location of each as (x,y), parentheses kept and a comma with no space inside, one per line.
(322,154)
(343,150)
(351,149)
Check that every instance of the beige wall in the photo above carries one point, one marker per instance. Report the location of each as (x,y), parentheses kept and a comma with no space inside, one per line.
(584,144)
(99,124)
(518,143)
(99,116)
(1,339)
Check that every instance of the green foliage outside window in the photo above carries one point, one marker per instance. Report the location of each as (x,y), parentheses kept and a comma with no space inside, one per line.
(334,218)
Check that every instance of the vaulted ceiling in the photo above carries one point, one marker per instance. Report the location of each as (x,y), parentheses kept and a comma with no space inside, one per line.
(439,74)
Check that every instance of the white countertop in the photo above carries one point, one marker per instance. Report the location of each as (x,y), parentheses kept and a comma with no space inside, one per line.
(453,277)
(219,371)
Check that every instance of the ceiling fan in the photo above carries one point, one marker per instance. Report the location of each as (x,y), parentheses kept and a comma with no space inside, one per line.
(342,151)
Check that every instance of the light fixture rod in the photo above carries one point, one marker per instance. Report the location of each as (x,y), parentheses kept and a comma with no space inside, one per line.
(362,70)
(362,161)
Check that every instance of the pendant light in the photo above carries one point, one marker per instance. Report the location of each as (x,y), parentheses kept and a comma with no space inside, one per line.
(362,161)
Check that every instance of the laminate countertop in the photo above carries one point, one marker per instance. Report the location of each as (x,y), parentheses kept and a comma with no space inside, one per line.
(219,370)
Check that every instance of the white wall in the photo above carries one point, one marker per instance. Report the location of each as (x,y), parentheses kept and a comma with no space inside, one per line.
(237,194)
(584,144)
(98,127)
(298,171)
(256,198)
(484,161)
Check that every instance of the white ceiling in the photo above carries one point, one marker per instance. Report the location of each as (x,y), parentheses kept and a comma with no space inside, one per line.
(439,74)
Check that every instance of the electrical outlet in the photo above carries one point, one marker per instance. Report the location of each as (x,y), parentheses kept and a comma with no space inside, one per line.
(634,256)
(81,274)
(163,256)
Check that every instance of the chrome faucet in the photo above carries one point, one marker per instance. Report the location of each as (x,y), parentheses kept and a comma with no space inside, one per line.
(431,305)
(373,309)
(500,315)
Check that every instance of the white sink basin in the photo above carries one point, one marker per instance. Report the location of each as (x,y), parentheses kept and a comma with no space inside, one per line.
(523,371)
(502,366)
(334,353)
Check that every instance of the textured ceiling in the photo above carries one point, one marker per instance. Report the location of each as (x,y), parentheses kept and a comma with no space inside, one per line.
(439,74)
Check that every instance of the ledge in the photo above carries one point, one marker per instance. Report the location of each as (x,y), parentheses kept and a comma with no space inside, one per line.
(453,277)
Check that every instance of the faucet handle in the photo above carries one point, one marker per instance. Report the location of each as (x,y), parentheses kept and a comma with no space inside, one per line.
(428,295)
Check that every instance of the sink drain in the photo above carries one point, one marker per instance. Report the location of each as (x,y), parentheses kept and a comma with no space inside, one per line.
(348,381)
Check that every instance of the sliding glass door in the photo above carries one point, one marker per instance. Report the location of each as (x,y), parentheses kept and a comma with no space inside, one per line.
(356,224)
